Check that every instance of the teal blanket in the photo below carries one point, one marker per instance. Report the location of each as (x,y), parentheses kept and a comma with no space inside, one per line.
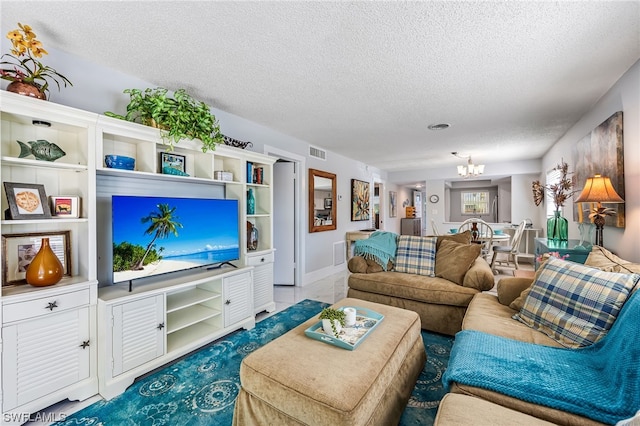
(601,381)
(380,246)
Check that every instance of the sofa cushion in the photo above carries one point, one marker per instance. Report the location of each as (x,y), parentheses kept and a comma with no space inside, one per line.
(416,255)
(359,264)
(573,303)
(453,260)
(462,237)
(603,259)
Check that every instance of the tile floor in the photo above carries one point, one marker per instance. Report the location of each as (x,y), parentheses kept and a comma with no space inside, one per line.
(329,289)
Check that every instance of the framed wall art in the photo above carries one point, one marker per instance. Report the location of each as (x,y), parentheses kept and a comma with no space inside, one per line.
(18,250)
(393,204)
(27,201)
(601,152)
(360,200)
(64,207)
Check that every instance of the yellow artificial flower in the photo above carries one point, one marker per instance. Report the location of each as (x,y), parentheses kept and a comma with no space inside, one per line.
(38,52)
(14,35)
(27,31)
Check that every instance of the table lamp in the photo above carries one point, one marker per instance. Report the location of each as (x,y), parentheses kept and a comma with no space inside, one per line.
(598,189)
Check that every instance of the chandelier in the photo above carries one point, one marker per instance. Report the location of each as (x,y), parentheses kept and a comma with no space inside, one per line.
(470,170)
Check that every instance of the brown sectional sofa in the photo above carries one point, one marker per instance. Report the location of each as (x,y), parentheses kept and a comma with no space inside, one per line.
(440,302)
(492,314)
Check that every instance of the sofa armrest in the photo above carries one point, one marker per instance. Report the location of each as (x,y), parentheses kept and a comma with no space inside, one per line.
(479,276)
(509,289)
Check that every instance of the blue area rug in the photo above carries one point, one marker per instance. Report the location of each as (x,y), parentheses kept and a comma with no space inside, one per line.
(201,388)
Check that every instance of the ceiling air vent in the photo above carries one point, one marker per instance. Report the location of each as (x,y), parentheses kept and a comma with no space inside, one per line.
(317,153)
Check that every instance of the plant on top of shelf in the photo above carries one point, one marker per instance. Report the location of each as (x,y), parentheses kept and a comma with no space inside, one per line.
(25,68)
(333,316)
(177,117)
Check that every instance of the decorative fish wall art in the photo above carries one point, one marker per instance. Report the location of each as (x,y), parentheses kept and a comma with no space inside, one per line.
(41,149)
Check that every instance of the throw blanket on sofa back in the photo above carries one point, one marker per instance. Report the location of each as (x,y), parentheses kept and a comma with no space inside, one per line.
(380,246)
(601,381)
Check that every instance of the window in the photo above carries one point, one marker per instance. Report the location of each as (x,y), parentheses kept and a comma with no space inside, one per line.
(475,203)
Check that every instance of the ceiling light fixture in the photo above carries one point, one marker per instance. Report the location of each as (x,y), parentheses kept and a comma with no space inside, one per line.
(470,170)
(441,126)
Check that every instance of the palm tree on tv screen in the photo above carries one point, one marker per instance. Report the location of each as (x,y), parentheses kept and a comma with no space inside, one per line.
(163,223)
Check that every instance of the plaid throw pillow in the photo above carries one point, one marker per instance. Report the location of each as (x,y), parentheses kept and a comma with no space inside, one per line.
(416,255)
(573,303)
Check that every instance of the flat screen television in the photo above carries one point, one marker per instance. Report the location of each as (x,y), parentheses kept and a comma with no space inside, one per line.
(160,235)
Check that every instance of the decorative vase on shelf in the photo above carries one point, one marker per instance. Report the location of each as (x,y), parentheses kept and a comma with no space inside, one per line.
(45,268)
(26,89)
(252,236)
(557,227)
(251,202)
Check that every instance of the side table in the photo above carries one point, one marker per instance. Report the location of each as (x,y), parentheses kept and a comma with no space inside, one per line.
(577,252)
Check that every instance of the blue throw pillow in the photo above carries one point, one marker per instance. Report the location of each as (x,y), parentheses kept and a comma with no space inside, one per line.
(416,255)
(575,304)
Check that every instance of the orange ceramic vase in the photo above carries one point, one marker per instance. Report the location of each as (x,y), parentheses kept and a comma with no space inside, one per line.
(45,268)
(26,89)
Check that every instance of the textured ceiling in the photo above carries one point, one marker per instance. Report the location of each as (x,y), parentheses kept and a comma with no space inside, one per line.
(364,79)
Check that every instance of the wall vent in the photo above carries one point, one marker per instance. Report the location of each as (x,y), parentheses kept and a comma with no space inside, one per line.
(339,253)
(318,153)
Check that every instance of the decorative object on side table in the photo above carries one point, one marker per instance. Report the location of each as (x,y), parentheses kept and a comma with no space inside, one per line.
(19,250)
(28,76)
(332,320)
(26,201)
(598,189)
(178,117)
(41,149)
(560,191)
(45,269)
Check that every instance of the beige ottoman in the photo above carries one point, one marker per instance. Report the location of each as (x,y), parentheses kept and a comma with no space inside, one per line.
(298,380)
(463,410)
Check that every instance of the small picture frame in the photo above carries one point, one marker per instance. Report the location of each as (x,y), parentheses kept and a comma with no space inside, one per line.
(328,203)
(18,250)
(27,201)
(171,163)
(64,207)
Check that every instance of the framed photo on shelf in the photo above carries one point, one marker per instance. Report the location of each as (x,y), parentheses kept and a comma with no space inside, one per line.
(65,207)
(171,163)
(18,250)
(27,201)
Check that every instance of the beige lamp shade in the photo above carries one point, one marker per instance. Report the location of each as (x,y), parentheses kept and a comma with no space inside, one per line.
(598,189)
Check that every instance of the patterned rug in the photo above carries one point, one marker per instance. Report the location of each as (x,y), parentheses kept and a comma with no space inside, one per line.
(201,388)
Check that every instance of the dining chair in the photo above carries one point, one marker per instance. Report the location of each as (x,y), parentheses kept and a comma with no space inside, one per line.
(434,228)
(504,255)
(481,233)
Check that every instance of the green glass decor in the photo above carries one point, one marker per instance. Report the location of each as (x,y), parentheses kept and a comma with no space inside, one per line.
(557,227)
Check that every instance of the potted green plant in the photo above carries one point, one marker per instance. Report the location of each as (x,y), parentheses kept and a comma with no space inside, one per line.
(332,320)
(178,117)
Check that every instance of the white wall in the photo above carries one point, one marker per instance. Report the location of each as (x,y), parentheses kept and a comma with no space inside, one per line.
(623,96)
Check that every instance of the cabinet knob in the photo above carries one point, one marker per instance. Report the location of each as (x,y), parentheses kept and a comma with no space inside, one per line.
(52,305)
(85,344)
(160,326)
(228,302)
(262,260)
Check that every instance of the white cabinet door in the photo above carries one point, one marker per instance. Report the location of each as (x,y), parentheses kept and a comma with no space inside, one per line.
(44,355)
(238,298)
(138,333)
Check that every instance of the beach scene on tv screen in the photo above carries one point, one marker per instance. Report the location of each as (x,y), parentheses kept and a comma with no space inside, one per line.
(159,235)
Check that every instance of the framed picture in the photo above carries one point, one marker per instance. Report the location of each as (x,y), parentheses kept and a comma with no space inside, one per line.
(18,250)
(360,200)
(27,201)
(328,203)
(64,207)
(171,163)
(393,203)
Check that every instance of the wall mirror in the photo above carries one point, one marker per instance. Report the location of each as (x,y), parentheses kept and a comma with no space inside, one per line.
(322,197)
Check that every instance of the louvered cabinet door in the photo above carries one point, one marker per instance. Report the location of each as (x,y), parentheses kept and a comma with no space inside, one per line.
(138,333)
(238,298)
(44,355)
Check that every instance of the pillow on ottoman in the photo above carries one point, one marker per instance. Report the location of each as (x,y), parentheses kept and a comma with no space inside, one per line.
(453,260)
(573,303)
(416,255)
